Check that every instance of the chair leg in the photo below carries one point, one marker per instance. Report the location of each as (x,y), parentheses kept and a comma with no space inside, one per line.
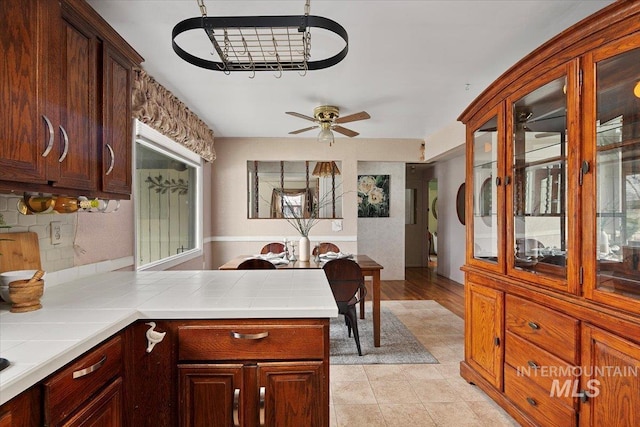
(353,321)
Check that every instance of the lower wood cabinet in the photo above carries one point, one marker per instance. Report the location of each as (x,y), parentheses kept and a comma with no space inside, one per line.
(610,381)
(557,367)
(253,373)
(24,410)
(484,318)
(265,394)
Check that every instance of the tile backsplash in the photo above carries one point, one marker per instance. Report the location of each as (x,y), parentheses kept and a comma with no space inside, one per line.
(53,257)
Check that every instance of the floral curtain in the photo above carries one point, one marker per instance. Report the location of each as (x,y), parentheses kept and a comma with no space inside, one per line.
(157,107)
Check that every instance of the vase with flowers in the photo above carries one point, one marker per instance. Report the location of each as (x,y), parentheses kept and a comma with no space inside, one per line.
(303,217)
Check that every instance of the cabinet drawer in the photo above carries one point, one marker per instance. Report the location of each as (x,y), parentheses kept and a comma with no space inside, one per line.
(553,331)
(536,402)
(540,366)
(63,393)
(247,341)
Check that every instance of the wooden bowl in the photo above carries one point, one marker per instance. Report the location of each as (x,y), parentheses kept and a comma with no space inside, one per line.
(25,295)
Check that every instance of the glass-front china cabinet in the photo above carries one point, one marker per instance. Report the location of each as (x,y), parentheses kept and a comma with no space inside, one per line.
(552,272)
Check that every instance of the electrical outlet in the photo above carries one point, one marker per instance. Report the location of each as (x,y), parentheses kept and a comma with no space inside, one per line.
(56,232)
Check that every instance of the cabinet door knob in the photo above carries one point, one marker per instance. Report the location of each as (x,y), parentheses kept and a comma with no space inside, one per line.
(51,134)
(532,364)
(532,401)
(65,139)
(236,408)
(112,162)
(86,371)
(534,325)
(258,336)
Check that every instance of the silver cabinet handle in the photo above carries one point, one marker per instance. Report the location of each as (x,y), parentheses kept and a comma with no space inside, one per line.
(112,163)
(65,138)
(257,336)
(262,420)
(236,408)
(533,325)
(51,134)
(86,371)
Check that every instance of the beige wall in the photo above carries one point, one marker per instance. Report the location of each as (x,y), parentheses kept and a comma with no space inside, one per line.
(234,234)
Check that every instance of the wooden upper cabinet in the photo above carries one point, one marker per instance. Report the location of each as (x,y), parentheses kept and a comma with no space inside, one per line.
(611,197)
(66,100)
(117,122)
(75,161)
(27,123)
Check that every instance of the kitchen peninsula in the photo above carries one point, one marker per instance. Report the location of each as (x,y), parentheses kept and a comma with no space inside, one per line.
(251,328)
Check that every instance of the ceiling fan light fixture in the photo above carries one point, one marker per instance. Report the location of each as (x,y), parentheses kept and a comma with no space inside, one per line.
(326,136)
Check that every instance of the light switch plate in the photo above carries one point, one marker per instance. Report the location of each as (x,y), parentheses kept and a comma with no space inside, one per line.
(56,232)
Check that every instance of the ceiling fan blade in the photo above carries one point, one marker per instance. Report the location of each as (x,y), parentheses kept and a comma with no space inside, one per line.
(302,116)
(302,130)
(362,115)
(345,131)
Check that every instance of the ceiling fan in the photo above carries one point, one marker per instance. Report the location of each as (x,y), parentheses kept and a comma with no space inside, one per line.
(327,118)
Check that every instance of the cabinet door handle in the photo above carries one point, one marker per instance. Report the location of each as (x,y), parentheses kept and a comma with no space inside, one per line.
(533,325)
(51,134)
(112,162)
(257,336)
(498,181)
(532,364)
(86,371)
(236,408)
(65,138)
(532,401)
(262,418)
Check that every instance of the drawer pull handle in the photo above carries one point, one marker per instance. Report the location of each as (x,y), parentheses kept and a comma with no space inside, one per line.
(236,408)
(86,371)
(532,401)
(257,336)
(262,418)
(532,364)
(51,135)
(534,325)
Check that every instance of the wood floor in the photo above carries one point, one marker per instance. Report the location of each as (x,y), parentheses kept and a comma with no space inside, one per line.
(424,283)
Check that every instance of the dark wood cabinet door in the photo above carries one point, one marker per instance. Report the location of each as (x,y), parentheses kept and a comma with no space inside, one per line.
(75,155)
(211,395)
(609,380)
(24,410)
(26,126)
(103,410)
(117,123)
(291,394)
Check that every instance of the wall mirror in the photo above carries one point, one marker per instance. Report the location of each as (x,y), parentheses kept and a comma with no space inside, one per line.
(301,189)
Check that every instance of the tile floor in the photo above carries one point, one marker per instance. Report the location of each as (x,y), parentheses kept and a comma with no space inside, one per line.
(414,395)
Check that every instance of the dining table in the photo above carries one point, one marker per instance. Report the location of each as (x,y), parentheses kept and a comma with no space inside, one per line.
(369,268)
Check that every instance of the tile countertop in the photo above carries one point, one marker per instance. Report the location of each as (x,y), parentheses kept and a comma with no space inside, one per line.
(78,315)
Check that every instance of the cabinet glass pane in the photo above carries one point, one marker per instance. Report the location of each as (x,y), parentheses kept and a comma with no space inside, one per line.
(539,180)
(485,210)
(618,173)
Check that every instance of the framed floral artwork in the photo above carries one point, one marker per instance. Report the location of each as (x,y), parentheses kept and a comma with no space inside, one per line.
(373,196)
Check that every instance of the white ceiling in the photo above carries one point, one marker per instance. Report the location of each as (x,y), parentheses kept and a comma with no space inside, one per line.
(413,65)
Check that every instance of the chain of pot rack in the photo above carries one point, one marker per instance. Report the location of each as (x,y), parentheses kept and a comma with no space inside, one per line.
(261,48)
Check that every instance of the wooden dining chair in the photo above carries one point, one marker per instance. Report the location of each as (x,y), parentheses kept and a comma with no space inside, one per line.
(325,247)
(256,264)
(347,284)
(274,248)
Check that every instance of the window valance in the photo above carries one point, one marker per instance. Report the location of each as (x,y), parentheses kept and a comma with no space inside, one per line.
(157,107)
